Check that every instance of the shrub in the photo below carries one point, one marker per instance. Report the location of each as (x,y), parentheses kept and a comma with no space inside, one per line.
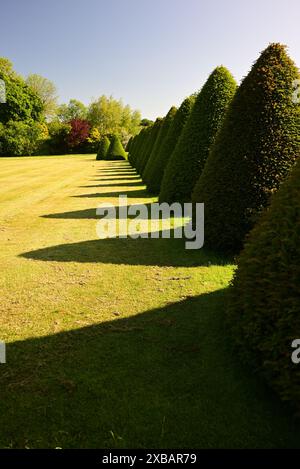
(103,148)
(169,143)
(93,140)
(264,300)
(149,144)
(191,151)
(22,138)
(153,161)
(254,151)
(142,148)
(58,134)
(129,144)
(136,150)
(116,150)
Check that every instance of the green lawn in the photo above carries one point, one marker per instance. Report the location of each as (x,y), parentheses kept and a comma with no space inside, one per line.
(115,343)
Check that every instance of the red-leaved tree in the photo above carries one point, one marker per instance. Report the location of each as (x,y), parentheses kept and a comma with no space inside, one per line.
(79,132)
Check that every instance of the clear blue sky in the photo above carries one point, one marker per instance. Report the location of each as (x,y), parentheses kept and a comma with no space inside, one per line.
(152,53)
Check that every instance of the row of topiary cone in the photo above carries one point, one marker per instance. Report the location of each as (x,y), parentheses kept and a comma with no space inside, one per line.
(233,149)
(111,149)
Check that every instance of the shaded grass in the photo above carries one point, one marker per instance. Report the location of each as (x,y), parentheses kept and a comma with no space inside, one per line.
(164,378)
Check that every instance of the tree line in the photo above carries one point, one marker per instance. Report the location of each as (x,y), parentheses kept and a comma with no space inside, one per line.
(32,122)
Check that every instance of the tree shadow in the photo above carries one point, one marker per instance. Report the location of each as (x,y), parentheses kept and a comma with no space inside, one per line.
(119,178)
(128,251)
(117,174)
(140,193)
(91,213)
(125,167)
(162,379)
(116,184)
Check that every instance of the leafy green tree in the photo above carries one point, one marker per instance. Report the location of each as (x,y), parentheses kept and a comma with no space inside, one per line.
(264,300)
(116,150)
(153,162)
(188,159)
(93,140)
(111,116)
(169,143)
(6,67)
(74,110)
(254,151)
(22,103)
(103,148)
(22,138)
(58,137)
(46,90)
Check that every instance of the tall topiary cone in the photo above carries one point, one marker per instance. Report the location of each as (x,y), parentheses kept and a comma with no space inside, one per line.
(264,300)
(153,135)
(169,143)
(103,148)
(153,161)
(116,150)
(129,144)
(254,151)
(144,137)
(187,161)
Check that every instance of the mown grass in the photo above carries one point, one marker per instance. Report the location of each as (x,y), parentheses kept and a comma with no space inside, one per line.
(118,342)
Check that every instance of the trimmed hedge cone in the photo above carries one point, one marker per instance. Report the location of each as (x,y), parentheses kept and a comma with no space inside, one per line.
(149,144)
(116,150)
(103,148)
(264,300)
(254,151)
(188,159)
(153,161)
(170,142)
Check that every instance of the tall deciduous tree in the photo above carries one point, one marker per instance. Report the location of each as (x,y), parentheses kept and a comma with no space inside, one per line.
(46,90)
(73,110)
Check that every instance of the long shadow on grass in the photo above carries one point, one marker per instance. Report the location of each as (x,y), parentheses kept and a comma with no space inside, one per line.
(91,213)
(141,251)
(163,379)
(117,170)
(135,179)
(116,184)
(139,193)
(118,174)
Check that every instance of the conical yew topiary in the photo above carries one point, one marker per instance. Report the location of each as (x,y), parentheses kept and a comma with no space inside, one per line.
(169,143)
(187,161)
(149,144)
(145,135)
(116,150)
(133,150)
(264,300)
(253,153)
(149,172)
(103,148)
(129,144)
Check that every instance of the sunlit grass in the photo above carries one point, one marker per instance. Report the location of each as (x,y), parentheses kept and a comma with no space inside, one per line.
(114,342)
